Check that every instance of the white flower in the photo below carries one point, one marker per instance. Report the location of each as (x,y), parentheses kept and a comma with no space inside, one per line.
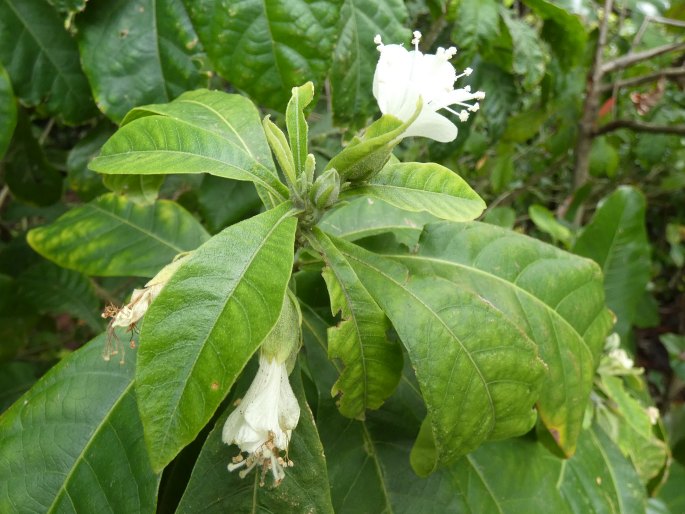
(134,310)
(653,414)
(263,422)
(402,77)
(620,357)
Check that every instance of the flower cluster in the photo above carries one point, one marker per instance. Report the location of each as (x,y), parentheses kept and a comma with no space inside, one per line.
(403,79)
(262,423)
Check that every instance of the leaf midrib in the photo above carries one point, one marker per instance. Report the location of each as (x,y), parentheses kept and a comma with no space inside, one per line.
(190,368)
(491,276)
(447,328)
(63,488)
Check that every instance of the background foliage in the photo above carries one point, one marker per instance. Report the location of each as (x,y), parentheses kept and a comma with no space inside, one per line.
(71,70)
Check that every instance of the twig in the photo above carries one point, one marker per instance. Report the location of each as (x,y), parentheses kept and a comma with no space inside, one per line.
(643,79)
(632,58)
(590,107)
(640,126)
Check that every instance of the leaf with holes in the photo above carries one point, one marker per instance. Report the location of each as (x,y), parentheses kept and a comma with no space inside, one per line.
(43,61)
(158,53)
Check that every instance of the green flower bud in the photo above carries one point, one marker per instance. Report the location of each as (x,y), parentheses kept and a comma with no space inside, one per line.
(284,339)
(326,189)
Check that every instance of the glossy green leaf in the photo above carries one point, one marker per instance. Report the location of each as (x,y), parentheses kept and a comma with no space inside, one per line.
(556,298)
(565,32)
(502,97)
(510,477)
(479,373)
(477,24)
(74,442)
(201,131)
(368,461)
(266,48)
(305,488)
(159,55)
(205,325)
(428,187)
(56,290)
(42,60)
(545,220)
(298,130)
(373,364)
(600,479)
(365,217)
(112,236)
(29,175)
(616,238)
(355,56)
(8,111)
(530,57)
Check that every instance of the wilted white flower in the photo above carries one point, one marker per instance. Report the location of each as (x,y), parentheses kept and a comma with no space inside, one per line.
(134,310)
(620,357)
(261,425)
(403,77)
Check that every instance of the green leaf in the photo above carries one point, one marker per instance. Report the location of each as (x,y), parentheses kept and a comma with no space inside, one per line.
(545,220)
(556,298)
(222,202)
(142,189)
(355,55)
(525,126)
(56,290)
(510,477)
(530,57)
(16,377)
(616,238)
(479,373)
(501,167)
(672,492)
(27,172)
(373,365)
(604,158)
(266,48)
(68,6)
(305,488)
(368,461)
(159,55)
(112,236)
(429,187)
(564,31)
(43,61)
(8,111)
(364,157)
(365,217)
(201,131)
(599,479)
(501,96)
(233,285)
(86,183)
(298,130)
(477,24)
(72,436)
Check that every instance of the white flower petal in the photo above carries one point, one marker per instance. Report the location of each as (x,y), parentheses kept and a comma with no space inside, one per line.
(434,126)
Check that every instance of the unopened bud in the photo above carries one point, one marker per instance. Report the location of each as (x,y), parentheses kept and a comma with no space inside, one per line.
(326,189)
